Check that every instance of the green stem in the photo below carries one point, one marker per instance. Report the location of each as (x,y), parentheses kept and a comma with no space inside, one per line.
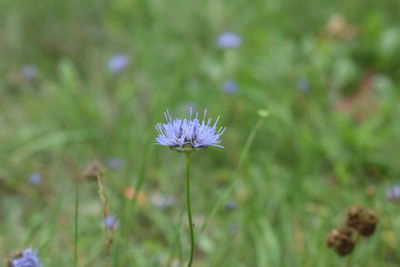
(189,210)
(76,226)
(176,245)
(243,155)
(349,261)
(313,260)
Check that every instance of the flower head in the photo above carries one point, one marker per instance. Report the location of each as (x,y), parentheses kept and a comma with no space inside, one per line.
(26,258)
(118,63)
(340,240)
(115,163)
(231,205)
(362,220)
(303,85)
(229,87)
(29,72)
(111,222)
(229,40)
(188,134)
(35,178)
(393,193)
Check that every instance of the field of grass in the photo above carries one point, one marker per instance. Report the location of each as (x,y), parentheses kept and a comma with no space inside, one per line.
(327,73)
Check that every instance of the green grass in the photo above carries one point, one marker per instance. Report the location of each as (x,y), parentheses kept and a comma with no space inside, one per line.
(292,179)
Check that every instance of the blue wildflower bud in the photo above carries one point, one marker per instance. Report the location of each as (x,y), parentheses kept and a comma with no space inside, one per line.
(231,205)
(229,87)
(303,85)
(229,40)
(29,72)
(35,178)
(393,193)
(115,163)
(111,222)
(118,63)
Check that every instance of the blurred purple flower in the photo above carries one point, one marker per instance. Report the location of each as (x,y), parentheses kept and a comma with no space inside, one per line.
(118,63)
(393,193)
(115,163)
(163,202)
(303,85)
(111,222)
(27,258)
(229,87)
(229,40)
(35,178)
(29,72)
(231,205)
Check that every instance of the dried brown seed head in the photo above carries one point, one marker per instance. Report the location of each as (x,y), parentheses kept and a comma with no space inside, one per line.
(362,220)
(92,171)
(340,240)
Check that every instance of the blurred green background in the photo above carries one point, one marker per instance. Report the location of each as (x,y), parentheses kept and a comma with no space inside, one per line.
(86,81)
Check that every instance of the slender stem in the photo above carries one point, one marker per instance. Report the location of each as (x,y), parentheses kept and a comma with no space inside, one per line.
(189,210)
(106,210)
(102,196)
(231,185)
(313,260)
(76,226)
(349,261)
(248,144)
(177,242)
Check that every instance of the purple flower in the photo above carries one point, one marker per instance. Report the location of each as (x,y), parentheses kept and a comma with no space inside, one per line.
(111,223)
(229,40)
(393,193)
(231,205)
(27,258)
(188,134)
(35,178)
(118,63)
(29,72)
(303,85)
(229,87)
(115,163)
